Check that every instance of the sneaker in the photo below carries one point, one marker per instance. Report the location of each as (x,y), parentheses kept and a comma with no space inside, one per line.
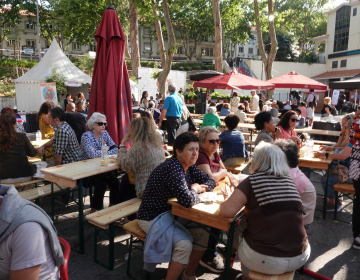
(356,243)
(185,277)
(331,207)
(222,252)
(215,264)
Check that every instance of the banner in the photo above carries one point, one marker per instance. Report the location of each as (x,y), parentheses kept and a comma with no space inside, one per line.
(335,97)
(48,93)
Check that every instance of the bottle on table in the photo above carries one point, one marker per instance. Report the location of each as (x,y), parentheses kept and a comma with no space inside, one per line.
(38,138)
(104,154)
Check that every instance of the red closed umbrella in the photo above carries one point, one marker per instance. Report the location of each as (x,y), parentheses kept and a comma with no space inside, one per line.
(110,88)
(234,80)
(295,80)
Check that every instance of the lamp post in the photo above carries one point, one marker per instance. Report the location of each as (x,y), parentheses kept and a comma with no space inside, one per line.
(62,39)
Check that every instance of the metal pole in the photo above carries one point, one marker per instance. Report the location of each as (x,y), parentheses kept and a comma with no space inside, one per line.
(38,28)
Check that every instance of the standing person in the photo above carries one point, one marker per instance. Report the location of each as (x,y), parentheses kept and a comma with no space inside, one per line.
(143,100)
(311,97)
(80,103)
(76,121)
(310,112)
(157,100)
(302,107)
(64,143)
(328,109)
(235,101)
(254,103)
(341,101)
(67,100)
(155,112)
(172,110)
(185,115)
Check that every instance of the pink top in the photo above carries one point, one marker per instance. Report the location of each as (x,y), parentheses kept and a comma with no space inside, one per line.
(286,134)
(303,111)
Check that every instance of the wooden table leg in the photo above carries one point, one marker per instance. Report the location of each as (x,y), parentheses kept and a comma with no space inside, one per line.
(81,219)
(325,192)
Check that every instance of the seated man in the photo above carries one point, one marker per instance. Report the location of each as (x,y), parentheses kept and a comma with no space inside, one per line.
(155,112)
(76,120)
(177,177)
(29,247)
(64,143)
(136,108)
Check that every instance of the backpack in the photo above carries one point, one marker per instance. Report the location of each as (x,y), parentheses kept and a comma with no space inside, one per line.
(333,111)
(314,100)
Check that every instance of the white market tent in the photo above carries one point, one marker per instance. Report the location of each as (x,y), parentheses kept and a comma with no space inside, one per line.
(27,87)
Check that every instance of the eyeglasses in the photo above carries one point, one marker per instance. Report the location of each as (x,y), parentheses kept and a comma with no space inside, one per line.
(294,120)
(214,141)
(101,123)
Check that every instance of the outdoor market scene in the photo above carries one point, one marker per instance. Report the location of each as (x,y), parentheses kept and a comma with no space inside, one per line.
(197,139)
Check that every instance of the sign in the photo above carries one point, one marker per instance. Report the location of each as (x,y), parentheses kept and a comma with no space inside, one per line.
(341,54)
(48,93)
(335,97)
(72,84)
(28,51)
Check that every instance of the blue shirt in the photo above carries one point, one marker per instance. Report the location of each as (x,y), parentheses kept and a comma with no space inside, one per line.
(233,143)
(91,146)
(224,112)
(173,105)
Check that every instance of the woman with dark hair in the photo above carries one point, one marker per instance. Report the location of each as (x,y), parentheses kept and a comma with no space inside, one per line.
(247,108)
(80,103)
(225,110)
(14,149)
(287,124)
(67,100)
(266,124)
(240,113)
(143,100)
(261,104)
(19,124)
(233,143)
(47,132)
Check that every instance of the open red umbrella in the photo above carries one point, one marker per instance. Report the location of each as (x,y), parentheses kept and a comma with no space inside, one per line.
(295,80)
(110,88)
(234,80)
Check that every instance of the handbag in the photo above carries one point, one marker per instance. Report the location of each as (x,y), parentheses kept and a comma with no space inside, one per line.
(342,171)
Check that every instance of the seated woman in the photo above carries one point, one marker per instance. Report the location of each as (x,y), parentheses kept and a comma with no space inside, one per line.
(19,124)
(287,125)
(145,154)
(179,177)
(241,114)
(266,124)
(247,107)
(263,245)
(301,119)
(233,143)
(91,142)
(225,110)
(211,118)
(29,246)
(328,109)
(80,103)
(344,135)
(47,131)
(15,147)
(304,186)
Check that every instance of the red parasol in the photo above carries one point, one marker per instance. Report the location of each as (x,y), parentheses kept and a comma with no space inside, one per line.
(295,80)
(234,81)
(110,88)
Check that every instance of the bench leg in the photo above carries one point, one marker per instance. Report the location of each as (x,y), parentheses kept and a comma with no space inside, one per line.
(52,201)
(81,219)
(228,250)
(336,205)
(111,245)
(325,191)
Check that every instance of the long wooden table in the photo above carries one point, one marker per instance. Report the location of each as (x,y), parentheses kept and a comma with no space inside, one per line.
(208,214)
(68,174)
(36,146)
(318,131)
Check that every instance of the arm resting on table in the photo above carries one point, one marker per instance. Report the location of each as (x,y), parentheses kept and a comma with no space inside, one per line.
(230,207)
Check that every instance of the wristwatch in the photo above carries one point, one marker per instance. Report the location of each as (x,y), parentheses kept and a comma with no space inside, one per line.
(121,146)
(326,155)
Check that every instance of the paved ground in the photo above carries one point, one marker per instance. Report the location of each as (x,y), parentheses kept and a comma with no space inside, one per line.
(332,254)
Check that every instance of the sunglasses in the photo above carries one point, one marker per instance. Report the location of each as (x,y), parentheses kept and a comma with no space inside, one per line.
(101,123)
(213,142)
(294,120)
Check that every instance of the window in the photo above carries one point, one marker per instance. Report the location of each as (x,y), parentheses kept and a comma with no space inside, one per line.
(206,38)
(147,31)
(342,25)
(241,49)
(334,64)
(11,42)
(180,50)
(251,50)
(191,49)
(207,52)
(343,63)
(30,43)
(7,25)
(29,25)
(92,47)
(75,47)
(147,47)
(129,50)
(354,14)
(177,34)
(258,52)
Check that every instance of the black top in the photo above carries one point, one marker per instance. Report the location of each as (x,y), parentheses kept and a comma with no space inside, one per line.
(169,180)
(77,122)
(66,102)
(14,163)
(331,109)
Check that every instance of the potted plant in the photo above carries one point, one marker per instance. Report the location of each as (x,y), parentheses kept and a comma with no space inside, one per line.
(186,97)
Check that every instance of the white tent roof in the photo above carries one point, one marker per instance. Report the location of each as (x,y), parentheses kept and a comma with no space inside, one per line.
(54,58)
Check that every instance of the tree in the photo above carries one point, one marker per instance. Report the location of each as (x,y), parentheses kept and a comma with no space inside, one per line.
(159,36)
(218,35)
(268,59)
(9,19)
(134,39)
(285,51)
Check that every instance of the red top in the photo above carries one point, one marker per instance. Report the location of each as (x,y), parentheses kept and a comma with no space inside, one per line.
(286,134)
(204,159)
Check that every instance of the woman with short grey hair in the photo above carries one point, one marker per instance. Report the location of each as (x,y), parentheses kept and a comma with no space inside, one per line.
(273,239)
(211,118)
(93,119)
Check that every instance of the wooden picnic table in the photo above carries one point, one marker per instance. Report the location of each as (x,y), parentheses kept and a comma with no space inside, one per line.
(318,131)
(43,142)
(33,159)
(208,214)
(196,115)
(68,174)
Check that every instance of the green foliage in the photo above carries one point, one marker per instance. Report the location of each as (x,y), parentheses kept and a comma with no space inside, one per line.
(192,96)
(133,78)
(308,57)
(7,90)
(181,68)
(155,74)
(86,63)
(6,71)
(285,51)
(59,79)
(197,67)
(20,63)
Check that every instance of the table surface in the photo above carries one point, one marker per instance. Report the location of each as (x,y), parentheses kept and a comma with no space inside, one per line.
(43,142)
(207,214)
(311,162)
(33,159)
(318,131)
(240,125)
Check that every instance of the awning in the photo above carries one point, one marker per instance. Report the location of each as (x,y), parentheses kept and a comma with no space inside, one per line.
(337,74)
(72,84)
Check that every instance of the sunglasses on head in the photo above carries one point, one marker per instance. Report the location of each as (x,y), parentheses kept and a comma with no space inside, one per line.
(101,123)
(294,120)
(213,142)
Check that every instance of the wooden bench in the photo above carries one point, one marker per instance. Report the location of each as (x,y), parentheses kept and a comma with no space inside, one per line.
(320,142)
(39,192)
(261,276)
(105,220)
(346,189)
(25,183)
(238,169)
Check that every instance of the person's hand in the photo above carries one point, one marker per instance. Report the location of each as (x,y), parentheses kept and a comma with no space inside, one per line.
(199,188)
(278,134)
(41,150)
(234,182)
(227,191)
(322,147)
(319,155)
(295,139)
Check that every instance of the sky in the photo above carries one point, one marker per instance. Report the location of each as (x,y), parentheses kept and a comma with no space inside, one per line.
(334,3)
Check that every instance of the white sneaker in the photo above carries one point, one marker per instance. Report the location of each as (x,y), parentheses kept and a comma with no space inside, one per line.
(185,277)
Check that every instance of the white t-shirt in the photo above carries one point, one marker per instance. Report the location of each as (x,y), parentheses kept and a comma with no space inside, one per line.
(309,113)
(26,247)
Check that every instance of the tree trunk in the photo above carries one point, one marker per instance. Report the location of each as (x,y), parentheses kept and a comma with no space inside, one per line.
(171,49)
(134,39)
(159,34)
(127,54)
(218,35)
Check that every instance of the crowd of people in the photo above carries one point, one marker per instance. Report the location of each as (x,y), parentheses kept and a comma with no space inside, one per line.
(278,196)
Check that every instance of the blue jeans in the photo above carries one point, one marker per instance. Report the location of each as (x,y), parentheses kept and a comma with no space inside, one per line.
(333,179)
